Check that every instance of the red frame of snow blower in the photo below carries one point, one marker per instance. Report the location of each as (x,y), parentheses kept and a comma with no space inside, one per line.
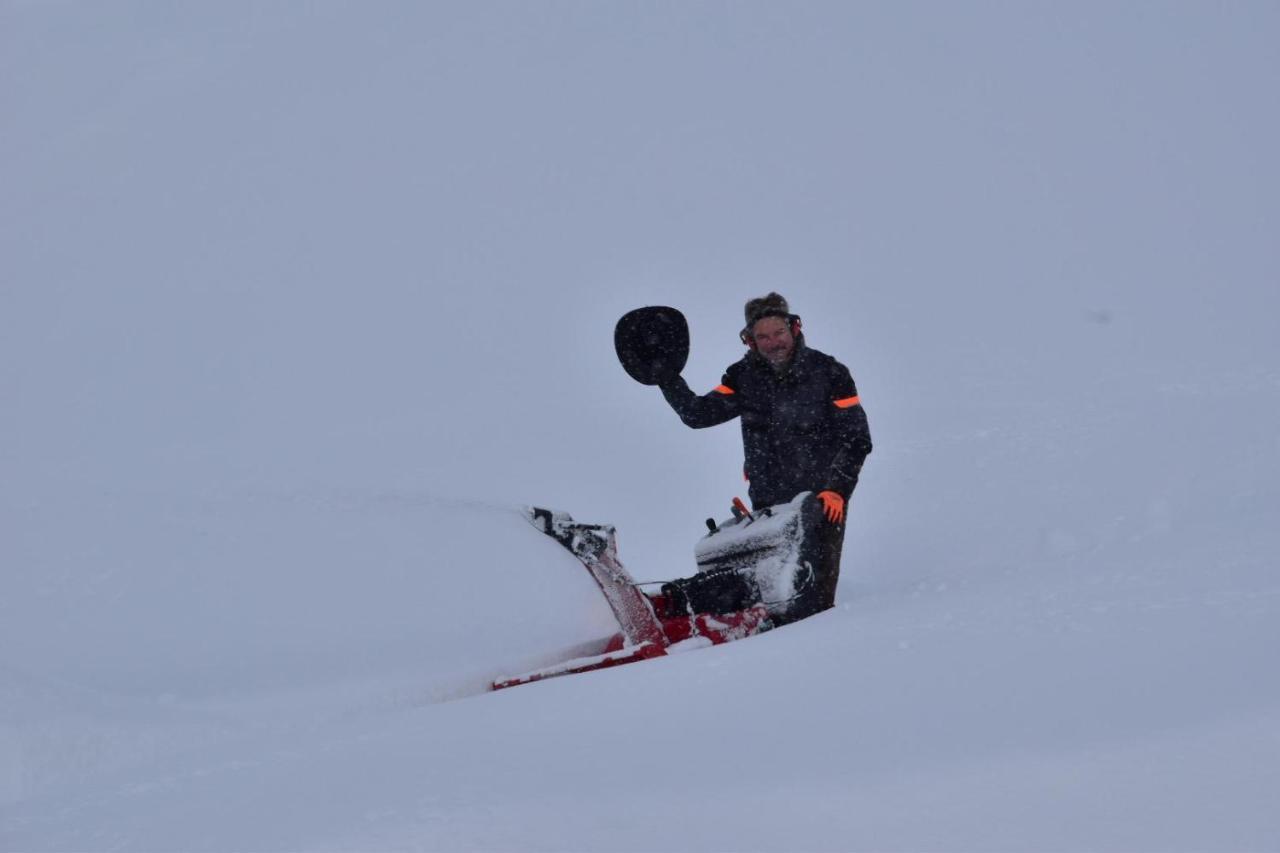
(643,635)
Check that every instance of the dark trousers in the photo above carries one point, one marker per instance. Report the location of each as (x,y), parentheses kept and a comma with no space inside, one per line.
(820,554)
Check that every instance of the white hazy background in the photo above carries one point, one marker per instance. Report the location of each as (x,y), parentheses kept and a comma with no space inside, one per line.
(297,301)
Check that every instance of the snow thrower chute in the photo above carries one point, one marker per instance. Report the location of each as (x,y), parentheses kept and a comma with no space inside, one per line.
(751,570)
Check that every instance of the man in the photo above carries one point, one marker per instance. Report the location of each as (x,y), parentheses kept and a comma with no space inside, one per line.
(803,428)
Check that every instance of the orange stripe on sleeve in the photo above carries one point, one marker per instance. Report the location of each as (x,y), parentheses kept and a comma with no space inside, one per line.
(847,402)
(722,389)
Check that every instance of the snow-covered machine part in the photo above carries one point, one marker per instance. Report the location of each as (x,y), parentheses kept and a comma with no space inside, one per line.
(596,545)
(644,634)
(770,547)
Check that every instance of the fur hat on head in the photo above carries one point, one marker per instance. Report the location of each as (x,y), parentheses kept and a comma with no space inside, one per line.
(773,305)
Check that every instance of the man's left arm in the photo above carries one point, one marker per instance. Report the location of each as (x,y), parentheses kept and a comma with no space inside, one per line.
(852,433)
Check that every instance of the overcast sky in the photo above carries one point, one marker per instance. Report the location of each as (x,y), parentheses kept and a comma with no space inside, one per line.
(382,246)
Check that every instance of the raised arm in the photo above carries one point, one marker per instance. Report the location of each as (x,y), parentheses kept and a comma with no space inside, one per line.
(715,407)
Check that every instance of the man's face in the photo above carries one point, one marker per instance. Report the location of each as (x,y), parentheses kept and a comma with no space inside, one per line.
(774,340)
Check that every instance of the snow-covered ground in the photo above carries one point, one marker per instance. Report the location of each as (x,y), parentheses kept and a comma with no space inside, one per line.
(297,304)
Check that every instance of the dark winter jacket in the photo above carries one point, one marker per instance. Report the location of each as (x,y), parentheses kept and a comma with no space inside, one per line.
(803,429)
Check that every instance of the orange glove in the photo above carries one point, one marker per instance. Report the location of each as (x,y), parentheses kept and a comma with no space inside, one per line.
(834,505)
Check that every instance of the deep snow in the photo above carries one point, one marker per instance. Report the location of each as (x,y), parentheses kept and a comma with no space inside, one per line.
(297,306)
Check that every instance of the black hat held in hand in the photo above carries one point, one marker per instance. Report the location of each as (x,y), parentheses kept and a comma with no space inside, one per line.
(652,344)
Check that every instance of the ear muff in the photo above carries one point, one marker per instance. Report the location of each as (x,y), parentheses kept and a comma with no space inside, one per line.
(793,323)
